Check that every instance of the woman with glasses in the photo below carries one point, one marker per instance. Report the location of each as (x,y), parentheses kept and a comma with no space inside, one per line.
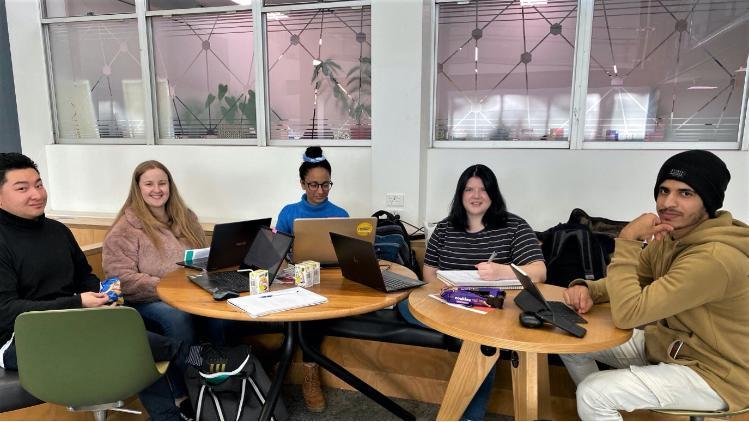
(314,177)
(480,234)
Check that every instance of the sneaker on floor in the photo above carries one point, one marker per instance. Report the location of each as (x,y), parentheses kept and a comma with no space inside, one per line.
(311,389)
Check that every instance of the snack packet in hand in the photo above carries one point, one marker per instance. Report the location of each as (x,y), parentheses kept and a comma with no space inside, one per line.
(112,288)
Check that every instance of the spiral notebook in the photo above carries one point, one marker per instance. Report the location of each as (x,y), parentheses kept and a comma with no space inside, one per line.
(277,301)
(470,278)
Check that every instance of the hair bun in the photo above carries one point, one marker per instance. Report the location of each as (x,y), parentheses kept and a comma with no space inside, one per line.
(313,152)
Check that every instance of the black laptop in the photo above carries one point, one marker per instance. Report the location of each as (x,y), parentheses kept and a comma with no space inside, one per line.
(267,251)
(229,245)
(359,263)
(556,313)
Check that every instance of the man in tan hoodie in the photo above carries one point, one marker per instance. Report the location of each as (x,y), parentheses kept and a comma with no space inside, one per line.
(689,286)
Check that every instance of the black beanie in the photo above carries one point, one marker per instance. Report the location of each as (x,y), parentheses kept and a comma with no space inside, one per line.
(703,171)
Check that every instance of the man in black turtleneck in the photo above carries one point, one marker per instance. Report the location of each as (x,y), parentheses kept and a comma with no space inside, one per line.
(42,267)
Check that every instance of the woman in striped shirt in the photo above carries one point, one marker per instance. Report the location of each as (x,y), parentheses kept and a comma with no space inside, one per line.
(477,229)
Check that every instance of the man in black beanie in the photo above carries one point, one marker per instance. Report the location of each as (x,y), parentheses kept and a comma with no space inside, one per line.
(689,286)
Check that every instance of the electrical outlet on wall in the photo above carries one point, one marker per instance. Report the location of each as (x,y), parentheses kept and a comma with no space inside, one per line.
(395,200)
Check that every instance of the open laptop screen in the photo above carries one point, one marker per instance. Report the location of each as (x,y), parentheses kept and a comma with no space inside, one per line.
(268,251)
(528,285)
(312,238)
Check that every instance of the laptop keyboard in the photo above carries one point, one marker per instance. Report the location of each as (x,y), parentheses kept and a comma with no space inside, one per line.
(395,281)
(561,310)
(229,280)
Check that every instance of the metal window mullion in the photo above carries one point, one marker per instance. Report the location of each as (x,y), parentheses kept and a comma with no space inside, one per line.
(199,10)
(56,132)
(580,71)
(433,74)
(262,120)
(743,138)
(660,145)
(145,73)
(314,6)
(69,19)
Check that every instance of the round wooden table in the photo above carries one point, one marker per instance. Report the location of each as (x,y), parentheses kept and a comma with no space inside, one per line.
(345,298)
(482,335)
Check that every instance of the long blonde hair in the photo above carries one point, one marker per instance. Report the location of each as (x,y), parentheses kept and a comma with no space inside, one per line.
(180,217)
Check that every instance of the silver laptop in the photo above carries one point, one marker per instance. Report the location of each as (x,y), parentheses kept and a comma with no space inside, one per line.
(312,236)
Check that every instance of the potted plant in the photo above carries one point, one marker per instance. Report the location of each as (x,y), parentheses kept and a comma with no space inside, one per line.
(354,100)
(359,84)
(231,106)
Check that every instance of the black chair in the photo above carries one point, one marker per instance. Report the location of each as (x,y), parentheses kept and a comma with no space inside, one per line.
(387,325)
(12,395)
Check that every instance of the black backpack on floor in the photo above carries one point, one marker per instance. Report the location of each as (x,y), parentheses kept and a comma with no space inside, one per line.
(392,242)
(228,383)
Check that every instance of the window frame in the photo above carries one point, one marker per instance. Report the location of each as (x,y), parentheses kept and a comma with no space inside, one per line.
(144,18)
(579,91)
(304,142)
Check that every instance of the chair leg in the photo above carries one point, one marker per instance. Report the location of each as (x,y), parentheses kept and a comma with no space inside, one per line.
(100,415)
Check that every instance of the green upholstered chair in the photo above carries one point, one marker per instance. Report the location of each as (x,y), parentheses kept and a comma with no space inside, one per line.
(697,415)
(85,359)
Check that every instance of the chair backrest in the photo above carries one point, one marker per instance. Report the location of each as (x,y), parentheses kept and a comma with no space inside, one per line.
(83,357)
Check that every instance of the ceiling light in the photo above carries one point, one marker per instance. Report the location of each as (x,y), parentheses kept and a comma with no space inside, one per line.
(316,62)
(243,2)
(702,87)
(532,3)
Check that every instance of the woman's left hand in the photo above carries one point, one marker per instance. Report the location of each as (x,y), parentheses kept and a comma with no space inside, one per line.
(494,271)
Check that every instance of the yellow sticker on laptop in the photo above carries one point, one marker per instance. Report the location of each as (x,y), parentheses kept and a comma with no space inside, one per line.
(364,229)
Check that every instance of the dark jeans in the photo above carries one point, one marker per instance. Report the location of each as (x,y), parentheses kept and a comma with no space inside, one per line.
(179,325)
(157,398)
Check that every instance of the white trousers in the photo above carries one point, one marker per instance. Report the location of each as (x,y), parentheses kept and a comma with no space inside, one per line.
(636,384)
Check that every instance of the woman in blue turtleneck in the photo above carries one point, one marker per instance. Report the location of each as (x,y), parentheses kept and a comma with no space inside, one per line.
(314,176)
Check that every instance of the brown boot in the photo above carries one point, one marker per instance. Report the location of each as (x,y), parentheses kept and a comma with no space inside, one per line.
(313,396)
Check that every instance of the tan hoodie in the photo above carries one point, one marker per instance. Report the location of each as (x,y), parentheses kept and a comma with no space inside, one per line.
(128,253)
(697,290)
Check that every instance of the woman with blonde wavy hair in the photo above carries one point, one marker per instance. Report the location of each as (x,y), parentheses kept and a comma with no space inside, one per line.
(150,234)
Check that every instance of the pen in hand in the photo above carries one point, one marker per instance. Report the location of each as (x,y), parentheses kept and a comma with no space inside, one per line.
(492,257)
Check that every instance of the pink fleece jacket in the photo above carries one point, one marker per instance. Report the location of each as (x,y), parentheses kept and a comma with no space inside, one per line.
(129,254)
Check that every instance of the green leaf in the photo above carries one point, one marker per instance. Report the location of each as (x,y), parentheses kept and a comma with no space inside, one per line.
(209,100)
(222,91)
(316,72)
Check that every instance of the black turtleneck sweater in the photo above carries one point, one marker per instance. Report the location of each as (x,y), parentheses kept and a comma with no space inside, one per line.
(41,267)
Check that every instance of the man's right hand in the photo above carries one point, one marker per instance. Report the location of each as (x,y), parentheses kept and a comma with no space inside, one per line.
(93,300)
(578,297)
(645,228)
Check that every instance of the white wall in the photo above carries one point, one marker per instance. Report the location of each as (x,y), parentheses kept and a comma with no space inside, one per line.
(225,182)
(218,183)
(543,186)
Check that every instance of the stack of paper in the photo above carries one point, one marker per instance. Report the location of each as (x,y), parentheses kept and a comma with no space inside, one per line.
(278,301)
(470,278)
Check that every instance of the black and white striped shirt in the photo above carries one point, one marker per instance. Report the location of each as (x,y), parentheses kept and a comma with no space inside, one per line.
(452,249)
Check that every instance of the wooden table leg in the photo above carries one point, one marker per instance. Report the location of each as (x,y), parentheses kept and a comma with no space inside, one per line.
(469,372)
(530,385)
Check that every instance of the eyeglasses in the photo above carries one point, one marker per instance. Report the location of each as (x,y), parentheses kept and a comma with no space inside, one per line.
(314,185)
